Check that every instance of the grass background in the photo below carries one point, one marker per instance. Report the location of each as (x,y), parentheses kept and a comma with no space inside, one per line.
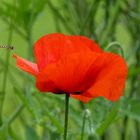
(25,114)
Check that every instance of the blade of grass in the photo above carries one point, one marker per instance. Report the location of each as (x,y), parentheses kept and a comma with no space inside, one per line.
(110,118)
(4,84)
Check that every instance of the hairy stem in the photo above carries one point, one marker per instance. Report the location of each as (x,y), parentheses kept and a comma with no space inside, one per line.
(66,116)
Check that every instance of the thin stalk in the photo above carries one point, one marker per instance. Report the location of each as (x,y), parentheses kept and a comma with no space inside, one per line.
(90,124)
(86,118)
(60,17)
(92,12)
(107,12)
(111,23)
(29,40)
(17,30)
(15,114)
(66,116)
(4,84)
(30,44)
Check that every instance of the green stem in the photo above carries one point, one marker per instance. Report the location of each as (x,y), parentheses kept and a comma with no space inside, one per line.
(66,116)
(59,16)
(15,114)
(4,84)
(92,12)
(111,23)
(86,117)
(113,44)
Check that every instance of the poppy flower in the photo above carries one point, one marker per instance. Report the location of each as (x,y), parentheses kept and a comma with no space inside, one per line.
(77,66)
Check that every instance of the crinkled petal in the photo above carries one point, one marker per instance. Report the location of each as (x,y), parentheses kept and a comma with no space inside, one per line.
(26,65)
(93,46)
(70,74)
(50,48)
(109,82)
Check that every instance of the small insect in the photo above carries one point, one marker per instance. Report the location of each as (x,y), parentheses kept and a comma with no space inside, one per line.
(7,47)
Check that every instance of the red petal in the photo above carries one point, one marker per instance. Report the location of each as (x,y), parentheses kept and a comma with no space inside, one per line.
(110,81)
(70,73)
(93,46)
(52,47)
(47,87)
(26,65)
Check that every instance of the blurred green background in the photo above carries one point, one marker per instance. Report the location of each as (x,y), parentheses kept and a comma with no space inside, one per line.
(25,114)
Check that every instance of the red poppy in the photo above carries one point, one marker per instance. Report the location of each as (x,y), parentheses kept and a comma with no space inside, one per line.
(77,66)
